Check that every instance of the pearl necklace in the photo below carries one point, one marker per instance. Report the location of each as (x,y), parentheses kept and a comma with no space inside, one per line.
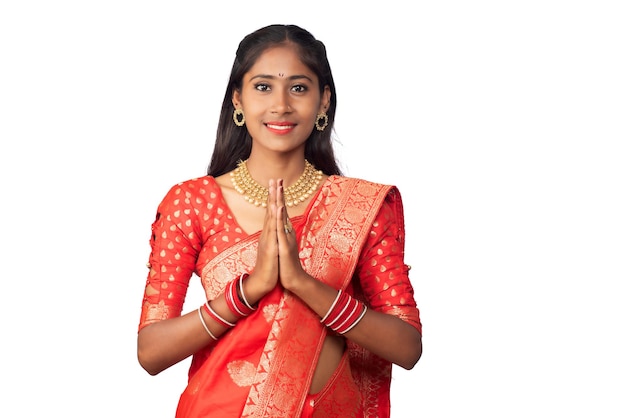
(256,194)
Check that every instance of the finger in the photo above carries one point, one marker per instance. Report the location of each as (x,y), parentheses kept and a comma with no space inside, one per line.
(284,216)
(275,192)
(280,220)
(271,197)
(267,254)
(289,263)
(280,196)
(285,224)
(268,209)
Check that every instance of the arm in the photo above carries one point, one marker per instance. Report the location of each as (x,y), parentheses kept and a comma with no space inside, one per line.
(384,334)
(165,337)
(391,327)
(162,344)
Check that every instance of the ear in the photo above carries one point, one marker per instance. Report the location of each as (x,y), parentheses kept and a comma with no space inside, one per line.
(236,99)
(325,102)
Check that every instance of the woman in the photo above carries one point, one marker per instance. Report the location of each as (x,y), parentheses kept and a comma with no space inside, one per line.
(308,298)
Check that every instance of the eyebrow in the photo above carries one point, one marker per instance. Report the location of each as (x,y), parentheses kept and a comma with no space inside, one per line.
(291,77)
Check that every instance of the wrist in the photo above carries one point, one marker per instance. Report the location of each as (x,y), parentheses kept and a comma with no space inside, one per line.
(302,284)
(253,289)
(344,313)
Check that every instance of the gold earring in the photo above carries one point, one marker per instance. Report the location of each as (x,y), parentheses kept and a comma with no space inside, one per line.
(238,117)
(321,121)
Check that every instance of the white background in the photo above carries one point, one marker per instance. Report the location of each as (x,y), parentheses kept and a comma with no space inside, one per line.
(502,123)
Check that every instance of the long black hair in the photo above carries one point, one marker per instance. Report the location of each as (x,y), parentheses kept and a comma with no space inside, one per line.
(233,143)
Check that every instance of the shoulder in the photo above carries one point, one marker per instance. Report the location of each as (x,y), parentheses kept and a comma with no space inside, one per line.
(191,191)
(383,197)
(363,184)
(197,185)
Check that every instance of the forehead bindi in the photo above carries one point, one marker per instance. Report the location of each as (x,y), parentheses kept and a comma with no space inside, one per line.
(280,62)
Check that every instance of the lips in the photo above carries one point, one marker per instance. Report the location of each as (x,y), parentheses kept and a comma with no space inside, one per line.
(280,128)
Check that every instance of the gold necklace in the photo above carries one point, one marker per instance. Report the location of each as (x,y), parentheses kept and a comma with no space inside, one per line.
(256,194)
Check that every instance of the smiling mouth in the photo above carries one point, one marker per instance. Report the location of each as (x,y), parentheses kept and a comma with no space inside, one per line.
(281,127)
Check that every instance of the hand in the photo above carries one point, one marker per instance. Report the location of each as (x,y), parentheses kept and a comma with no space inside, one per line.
(289,265)
(265,275)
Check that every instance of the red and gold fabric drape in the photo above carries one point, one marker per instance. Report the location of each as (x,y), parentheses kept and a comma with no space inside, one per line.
(350,237)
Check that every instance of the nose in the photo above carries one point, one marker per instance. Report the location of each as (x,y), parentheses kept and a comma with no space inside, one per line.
(281,103)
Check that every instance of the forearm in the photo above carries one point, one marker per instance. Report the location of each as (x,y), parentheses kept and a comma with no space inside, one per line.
(384,335)
(165,343)
(388,337)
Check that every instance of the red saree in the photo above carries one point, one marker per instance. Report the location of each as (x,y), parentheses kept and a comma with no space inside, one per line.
(351,237)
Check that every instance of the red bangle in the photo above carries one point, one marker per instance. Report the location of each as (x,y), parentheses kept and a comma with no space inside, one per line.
(353,320)
(344,313)
(209,310)
(234,303)
(241,294)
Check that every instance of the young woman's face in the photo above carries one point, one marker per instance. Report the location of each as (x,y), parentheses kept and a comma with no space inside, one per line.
(280,99)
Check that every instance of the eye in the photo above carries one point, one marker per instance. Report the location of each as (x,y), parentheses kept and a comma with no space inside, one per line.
(262,87)
(299,88)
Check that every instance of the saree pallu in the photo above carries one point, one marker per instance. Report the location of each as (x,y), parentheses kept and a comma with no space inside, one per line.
(264,365)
